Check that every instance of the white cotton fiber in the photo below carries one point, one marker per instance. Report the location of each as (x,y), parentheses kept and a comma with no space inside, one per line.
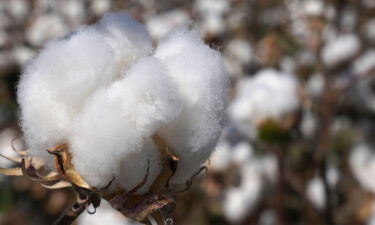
(128,39)
(104,93)
(202,81)
(269,94)
(105,214)
(115,121)
(55,85)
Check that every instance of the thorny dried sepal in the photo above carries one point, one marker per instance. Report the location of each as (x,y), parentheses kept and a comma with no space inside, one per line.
(158,202)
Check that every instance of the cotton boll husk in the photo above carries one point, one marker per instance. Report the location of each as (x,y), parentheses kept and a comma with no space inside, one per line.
(115,121)
(202,81)
(55,84)
(252,103)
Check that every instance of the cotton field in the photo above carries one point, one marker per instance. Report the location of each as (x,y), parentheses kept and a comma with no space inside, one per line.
(204,112)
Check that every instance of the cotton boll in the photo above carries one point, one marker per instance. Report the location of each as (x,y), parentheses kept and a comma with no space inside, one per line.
(315,85)
(56,83)
(340,49)
(362,162)
(22,54)
(238,202)
(105,214)
(315,192)
(242,153)
(115,121)
(252,103)
(202,82)
(99,7)
(19,9)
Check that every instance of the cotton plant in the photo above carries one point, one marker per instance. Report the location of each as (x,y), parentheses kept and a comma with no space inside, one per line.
(105,112)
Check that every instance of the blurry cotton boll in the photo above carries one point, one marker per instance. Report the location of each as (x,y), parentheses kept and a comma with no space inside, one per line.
(207,7)
(211,13)
(104,93)
(19,9)
(238,54)
(22,54)
(160,25)
(99,7)
(242,153)
(313,7)
(362,162)
(315,85)
(365,63)
(45,27)
(73,10)
(308,124)
(340,49)
(252,103)
(240,50)
(221,159)
(104,215)
(240,201)
(315,192)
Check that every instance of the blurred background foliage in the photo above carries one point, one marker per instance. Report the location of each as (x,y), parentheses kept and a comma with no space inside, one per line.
(313,165)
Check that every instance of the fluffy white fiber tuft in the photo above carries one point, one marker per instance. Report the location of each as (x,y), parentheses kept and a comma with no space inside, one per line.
(202,83)
(104,92)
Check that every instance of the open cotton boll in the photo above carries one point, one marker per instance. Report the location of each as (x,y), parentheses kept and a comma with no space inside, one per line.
(269,94)
(202,82)
(116,120)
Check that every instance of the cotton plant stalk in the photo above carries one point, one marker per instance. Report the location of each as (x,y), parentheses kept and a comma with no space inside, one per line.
(105,112)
